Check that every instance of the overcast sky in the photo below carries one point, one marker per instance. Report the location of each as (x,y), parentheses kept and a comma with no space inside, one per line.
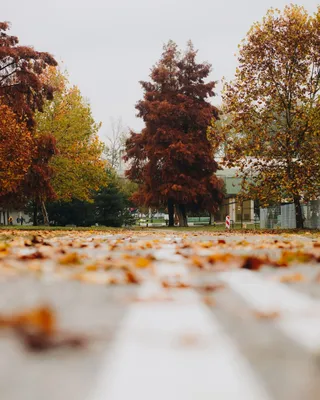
(108,46)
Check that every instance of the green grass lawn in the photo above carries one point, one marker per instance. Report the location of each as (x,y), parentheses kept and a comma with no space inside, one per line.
(250,228)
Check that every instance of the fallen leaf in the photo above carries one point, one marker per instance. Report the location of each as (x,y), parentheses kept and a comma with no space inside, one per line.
(33,256)
(267,315)
(175,285)
(40,319)
(71,258)
(132,278)
(297,277)
(142,262)
(209,301)
(212,287)
(252,263)
(38,341)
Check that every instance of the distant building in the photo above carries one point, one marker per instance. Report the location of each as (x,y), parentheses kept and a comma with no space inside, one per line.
(16,215)
(238,212)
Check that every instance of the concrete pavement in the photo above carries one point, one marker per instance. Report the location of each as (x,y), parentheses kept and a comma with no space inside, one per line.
(256,338)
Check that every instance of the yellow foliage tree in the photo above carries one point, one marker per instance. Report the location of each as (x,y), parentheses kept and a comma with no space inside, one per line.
(273,108)
(78,166)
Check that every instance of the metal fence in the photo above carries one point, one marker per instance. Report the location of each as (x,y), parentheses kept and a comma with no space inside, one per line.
(283,216)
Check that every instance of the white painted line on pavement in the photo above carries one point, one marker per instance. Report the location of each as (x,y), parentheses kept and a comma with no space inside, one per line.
(300,314)
(175,350)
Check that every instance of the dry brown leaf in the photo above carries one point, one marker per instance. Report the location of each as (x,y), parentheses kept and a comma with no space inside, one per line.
(38,341)
(33,256)
(212,287)
(252,263)
(132,278)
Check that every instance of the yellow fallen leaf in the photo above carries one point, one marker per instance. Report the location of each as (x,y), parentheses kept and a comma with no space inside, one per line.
(142,262)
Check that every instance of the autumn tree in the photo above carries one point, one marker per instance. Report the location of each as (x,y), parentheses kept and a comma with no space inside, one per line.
(37,184)
(16,145)
(171,158)
(274,109)
(21,67)
(24,91)
(77,165)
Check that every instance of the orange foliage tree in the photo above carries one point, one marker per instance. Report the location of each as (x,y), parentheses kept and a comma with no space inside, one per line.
(15,151)
(172,158)
(23,89)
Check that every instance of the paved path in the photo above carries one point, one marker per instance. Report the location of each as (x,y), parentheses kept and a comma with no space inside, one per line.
(151,342)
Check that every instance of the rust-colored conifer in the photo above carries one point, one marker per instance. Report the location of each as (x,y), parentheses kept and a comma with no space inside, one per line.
(172,159)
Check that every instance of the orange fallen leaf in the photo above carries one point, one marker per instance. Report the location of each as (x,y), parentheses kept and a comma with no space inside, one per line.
(267,315)
(197,262)
(71,258)
(41,319)
(297,277)
(142,262)
(209,301)
(175,285)
(132,278)
(288,257)
(223,257)
(37,330)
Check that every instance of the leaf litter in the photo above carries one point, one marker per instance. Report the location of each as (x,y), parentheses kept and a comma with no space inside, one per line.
(113,259)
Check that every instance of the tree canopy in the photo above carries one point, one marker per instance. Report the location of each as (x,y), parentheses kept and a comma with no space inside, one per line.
(21,67)
(172,158)
(77,165)
(16,147)
(273,108)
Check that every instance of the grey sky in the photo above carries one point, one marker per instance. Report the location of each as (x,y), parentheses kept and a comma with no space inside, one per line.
(108,46)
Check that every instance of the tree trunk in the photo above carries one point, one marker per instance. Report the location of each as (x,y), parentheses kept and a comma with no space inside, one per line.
(182,215)
(4,217)
(35,213)
(44,213)
(211,219)
(171,212)
(298,211)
